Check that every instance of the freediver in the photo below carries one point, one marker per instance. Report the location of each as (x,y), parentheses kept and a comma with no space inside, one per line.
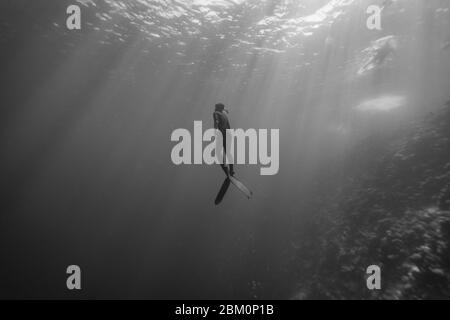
(222,123)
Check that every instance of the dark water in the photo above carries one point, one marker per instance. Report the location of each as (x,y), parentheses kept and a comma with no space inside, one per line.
(86,119)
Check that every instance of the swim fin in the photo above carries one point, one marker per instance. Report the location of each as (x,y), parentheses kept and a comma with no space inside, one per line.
(241,186)
(223,191)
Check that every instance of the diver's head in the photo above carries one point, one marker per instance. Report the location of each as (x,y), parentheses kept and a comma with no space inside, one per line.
(220,107)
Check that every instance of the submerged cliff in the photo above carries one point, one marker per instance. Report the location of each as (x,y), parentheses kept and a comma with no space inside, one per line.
(392,212)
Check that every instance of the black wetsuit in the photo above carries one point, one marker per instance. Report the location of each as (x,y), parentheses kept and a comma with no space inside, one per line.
(222,123)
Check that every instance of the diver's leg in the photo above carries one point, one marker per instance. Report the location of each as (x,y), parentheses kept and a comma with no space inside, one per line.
(230,164)
(224,144)
(225,169)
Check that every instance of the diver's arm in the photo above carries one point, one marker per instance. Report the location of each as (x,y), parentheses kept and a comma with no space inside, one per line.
(216,121)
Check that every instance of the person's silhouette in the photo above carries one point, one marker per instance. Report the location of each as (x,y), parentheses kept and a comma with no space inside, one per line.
(222,123)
